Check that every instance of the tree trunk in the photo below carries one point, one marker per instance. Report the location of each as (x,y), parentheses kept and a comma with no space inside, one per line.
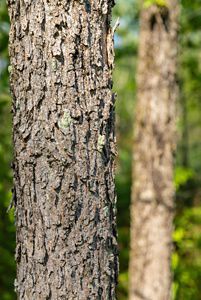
(153,191)
(63,126)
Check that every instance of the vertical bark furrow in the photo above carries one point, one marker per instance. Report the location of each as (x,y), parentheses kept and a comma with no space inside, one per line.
(64,149)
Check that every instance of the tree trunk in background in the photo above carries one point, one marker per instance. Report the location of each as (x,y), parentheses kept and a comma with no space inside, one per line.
(61,64)
(153,190)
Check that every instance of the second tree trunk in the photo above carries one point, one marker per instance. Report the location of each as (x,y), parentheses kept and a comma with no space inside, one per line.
(153,191)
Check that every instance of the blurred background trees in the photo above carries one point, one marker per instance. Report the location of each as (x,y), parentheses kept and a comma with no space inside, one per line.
(7,231)
(153,192)
(186,259)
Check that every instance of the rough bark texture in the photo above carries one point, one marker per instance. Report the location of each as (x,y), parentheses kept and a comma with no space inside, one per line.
(63,123)
(153,191)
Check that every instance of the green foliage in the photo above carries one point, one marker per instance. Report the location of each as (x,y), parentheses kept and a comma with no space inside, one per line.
(123,286)
(7,231)
(186,260)
(148,3)
(182,175)
(190,78)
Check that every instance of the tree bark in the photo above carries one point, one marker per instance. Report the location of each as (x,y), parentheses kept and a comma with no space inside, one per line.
(153,191)
(64,144)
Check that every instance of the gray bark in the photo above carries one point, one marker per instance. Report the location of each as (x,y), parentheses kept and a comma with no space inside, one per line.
(64,144)
(153,190)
